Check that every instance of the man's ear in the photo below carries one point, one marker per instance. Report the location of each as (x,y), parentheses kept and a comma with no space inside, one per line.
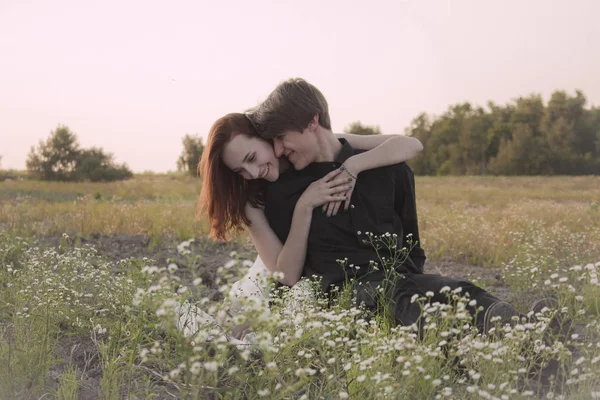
(314,122)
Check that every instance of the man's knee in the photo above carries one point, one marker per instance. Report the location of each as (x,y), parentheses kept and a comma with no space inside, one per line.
(407,314)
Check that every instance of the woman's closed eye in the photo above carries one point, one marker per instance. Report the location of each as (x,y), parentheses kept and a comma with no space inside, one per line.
(250,157)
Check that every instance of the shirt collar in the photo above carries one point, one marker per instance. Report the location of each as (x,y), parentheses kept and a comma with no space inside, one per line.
(345,153)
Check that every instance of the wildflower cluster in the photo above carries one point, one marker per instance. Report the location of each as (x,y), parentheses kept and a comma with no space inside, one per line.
(304,346)
(74,288)
(147,321)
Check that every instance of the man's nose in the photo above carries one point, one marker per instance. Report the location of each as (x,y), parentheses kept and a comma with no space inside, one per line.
(278,147)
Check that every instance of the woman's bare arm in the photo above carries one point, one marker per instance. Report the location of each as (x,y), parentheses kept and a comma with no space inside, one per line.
(289,258)
(383,150)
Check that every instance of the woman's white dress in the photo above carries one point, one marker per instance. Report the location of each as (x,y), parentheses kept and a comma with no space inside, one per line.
(252,290)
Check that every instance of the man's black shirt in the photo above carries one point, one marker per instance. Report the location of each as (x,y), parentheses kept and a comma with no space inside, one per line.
(383,201)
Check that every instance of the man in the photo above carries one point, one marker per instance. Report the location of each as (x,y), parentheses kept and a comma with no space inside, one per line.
(296,117)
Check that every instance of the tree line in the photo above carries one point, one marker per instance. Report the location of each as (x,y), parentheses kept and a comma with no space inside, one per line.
(523,137)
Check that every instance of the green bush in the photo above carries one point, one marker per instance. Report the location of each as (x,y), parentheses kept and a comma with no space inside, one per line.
(61,159)
(97,166)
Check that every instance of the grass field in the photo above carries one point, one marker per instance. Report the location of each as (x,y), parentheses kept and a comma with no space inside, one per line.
(83,313)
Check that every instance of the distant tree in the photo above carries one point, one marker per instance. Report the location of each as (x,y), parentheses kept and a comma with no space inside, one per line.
(97,166)
(523,155)
(61,159)
(529,111)
(55,158)
(420,127)
(524,137)
(190,155)
(359,129)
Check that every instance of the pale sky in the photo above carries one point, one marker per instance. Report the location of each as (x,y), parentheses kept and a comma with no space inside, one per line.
(133,76)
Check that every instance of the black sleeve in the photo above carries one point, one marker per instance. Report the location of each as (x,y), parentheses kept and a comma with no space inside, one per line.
(405,205)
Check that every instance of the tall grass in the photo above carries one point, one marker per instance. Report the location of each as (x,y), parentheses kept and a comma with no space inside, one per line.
(477,220)
(541,234)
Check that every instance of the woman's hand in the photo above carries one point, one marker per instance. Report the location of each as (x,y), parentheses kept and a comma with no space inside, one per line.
(328,189)
(349,172)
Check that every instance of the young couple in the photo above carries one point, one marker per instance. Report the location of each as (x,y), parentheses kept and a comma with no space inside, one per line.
(308,198)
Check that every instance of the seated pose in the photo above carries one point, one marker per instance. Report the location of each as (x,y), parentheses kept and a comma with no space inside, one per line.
(238,168)
(296,117)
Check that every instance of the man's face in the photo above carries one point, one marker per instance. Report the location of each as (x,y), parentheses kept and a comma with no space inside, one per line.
(300,148)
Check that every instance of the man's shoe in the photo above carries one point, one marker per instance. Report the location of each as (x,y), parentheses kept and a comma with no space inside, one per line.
(544,305)
(559,324)
(498,315)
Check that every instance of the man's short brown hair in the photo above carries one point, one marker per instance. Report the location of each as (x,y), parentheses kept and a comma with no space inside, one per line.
(291,106)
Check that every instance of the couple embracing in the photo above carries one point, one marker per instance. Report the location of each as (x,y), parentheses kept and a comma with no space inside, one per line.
(312,202)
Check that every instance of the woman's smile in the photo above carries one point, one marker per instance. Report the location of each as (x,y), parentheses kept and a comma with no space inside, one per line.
(265,171)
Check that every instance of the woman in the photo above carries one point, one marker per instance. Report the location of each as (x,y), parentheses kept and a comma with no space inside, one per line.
(236,167)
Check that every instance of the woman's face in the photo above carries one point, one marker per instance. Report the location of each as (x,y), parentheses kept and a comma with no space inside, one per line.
(252,158)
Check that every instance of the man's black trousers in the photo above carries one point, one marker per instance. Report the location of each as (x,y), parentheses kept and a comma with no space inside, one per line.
(400,291)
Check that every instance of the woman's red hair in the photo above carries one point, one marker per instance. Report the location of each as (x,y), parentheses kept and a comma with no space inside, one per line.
(224,193)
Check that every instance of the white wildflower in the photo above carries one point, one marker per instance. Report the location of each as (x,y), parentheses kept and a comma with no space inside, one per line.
(211,366)
(174,373)
(271,365)
(232,370)
(195,368)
